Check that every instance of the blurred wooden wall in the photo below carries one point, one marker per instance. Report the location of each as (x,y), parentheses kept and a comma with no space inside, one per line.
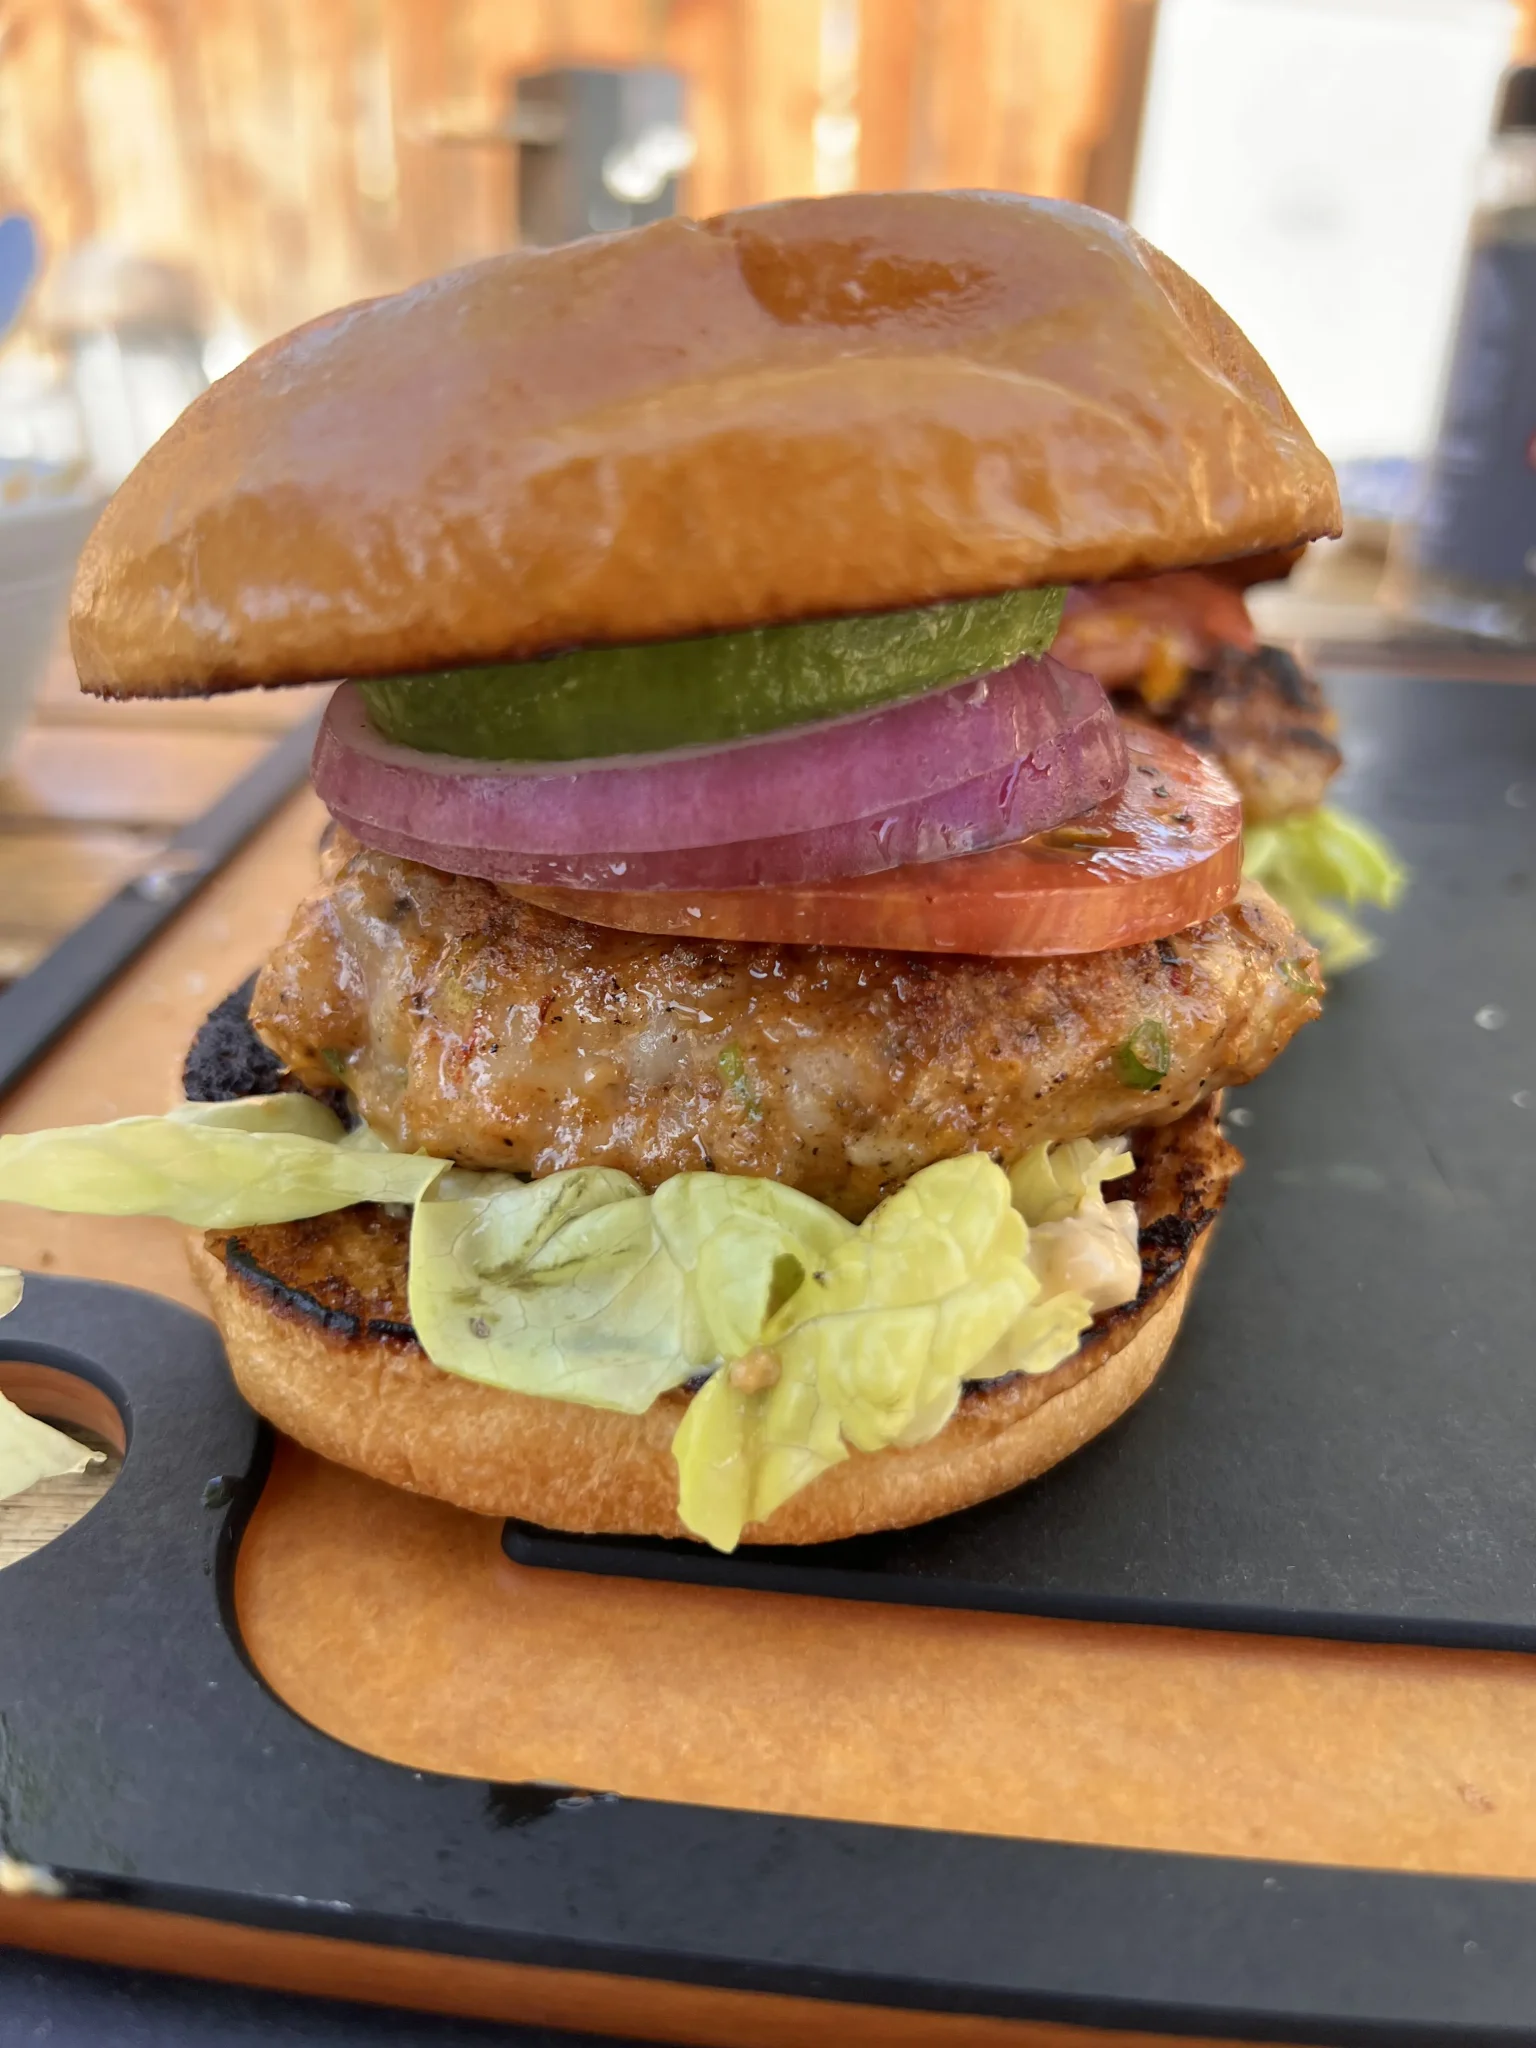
(1021,95)
(300,153)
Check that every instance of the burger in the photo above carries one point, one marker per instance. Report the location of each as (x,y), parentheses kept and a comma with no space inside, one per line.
(750,1066)
(1181,651)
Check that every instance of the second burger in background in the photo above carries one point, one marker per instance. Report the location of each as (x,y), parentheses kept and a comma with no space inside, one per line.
(1181,651)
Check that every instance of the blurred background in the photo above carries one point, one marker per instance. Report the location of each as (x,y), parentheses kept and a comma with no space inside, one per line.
(182,179)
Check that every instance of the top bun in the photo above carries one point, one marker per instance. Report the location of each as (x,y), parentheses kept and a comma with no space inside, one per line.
(817,407)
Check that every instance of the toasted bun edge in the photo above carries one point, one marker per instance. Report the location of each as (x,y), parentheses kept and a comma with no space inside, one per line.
(376,1404)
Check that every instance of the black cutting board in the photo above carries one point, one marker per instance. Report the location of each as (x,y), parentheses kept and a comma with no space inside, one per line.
(1344,1441)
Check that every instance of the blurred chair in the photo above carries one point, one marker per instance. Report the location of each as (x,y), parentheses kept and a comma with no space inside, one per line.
(132,330)
(47,500)
(45,515)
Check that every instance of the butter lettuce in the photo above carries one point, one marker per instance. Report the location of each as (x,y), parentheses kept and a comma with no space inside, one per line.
(745,1247)
(870,1351)
(31,1450)
(1044,1337)
(1313,862)
(1079,1244)
(818,1338)
(560,1287)
(580,1287)
(1051,1182)
(214,1166)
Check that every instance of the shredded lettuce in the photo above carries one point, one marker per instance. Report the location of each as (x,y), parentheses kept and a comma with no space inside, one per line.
(818,1337)
(31,1450)
(1312,862)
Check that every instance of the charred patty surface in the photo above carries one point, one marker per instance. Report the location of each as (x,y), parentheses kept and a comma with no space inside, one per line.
(1264,720)
(225,1058)
(477,1028)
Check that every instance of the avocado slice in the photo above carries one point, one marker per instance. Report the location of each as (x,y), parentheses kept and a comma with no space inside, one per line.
(644,699)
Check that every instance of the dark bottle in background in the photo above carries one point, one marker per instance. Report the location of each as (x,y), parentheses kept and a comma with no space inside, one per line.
(1468,560)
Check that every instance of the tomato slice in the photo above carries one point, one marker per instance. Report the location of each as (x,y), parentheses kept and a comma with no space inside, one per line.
(1164,854)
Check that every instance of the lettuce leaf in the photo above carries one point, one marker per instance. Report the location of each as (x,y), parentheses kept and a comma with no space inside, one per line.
(31,1450)
(1051,1182)
(871,1350)
(1079,1244)
(560,1287)
(213,1165)
(1045,1336)
(581,1287)
(745,1247)
(1312,862)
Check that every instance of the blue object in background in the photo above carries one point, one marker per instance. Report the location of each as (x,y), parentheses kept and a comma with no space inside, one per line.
(20,255)
(1382,487)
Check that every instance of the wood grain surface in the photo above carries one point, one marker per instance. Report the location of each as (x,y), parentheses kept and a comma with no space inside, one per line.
(31,1519)
(91,795)
(308,155)
(95,790)
(124,1058)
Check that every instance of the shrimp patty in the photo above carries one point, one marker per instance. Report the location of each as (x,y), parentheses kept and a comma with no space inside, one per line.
(478,1028)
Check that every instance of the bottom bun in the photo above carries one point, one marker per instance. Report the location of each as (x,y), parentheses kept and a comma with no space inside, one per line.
(315,1322)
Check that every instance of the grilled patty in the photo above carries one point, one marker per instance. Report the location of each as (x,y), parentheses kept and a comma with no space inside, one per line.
(475,1027)
(1263,720)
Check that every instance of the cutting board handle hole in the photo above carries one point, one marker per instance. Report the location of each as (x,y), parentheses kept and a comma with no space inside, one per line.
(63,1398)
(82,1410)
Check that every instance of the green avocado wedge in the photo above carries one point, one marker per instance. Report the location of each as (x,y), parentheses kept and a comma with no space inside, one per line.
(727,686)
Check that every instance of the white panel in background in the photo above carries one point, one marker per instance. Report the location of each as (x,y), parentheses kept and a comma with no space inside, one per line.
(1311,162)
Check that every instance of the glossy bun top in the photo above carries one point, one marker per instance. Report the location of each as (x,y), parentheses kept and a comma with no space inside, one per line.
(816,407)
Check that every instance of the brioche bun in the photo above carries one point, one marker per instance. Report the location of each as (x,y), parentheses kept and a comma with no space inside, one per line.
(311,1316)
(818,407)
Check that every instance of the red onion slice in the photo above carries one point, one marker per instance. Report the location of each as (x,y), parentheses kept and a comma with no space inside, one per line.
(1084,766)
(869,767)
